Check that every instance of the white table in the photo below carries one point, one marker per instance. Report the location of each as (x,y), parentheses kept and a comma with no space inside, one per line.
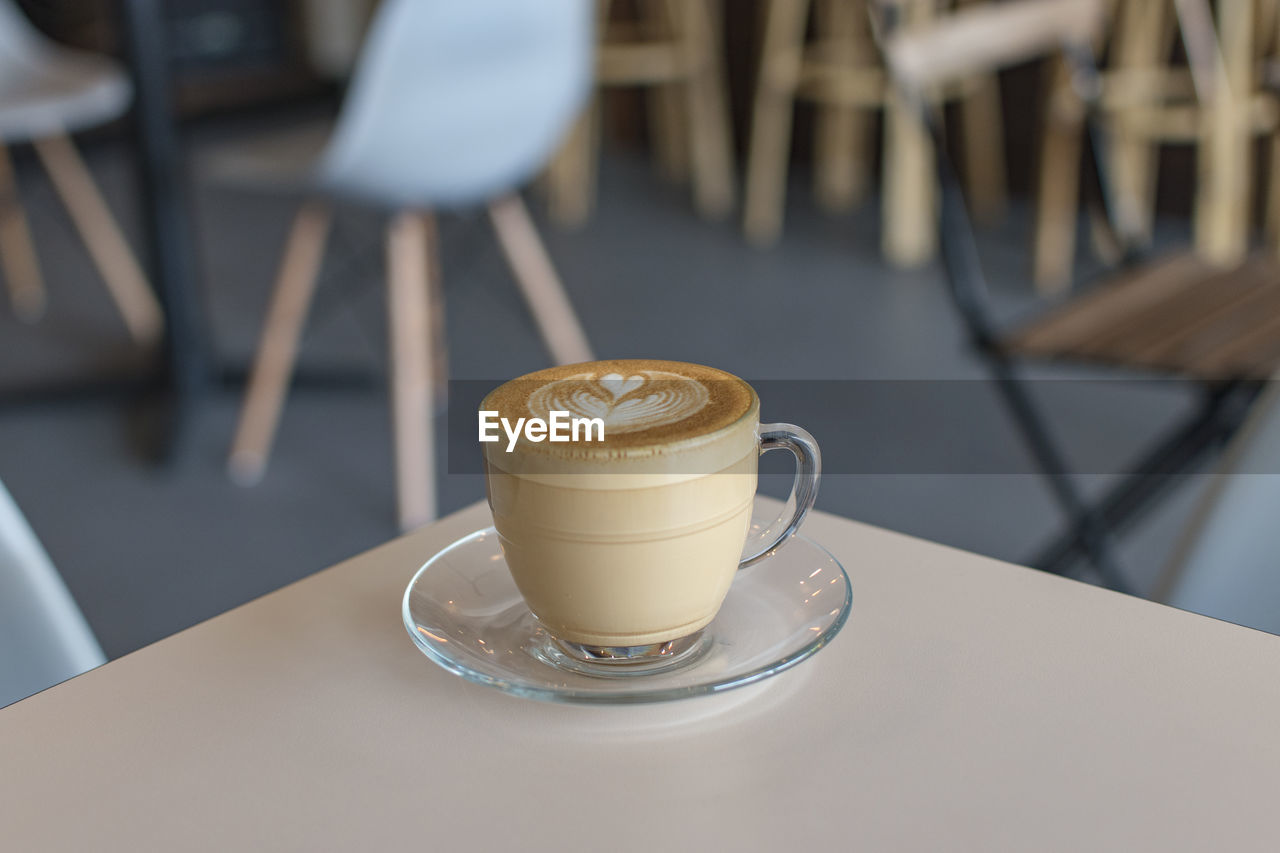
(968,704)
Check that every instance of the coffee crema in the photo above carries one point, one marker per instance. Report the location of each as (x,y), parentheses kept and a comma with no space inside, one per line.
(648,406)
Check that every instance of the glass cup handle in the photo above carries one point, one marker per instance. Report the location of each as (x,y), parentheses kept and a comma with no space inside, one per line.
(804,490)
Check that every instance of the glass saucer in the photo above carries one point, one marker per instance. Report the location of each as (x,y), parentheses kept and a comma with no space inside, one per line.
(464,612)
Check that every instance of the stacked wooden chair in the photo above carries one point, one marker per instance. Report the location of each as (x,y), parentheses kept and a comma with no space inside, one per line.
(840,70)
(1218,103)
(671,49)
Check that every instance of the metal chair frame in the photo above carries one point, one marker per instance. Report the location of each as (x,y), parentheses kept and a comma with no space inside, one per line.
(1223,404)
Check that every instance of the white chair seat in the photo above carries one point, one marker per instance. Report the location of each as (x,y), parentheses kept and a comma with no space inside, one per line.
(51,90)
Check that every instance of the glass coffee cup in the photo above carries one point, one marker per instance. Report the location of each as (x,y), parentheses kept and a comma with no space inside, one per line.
(624,537)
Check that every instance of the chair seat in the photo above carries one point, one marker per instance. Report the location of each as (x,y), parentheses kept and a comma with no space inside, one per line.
(48,91)
(1178,315)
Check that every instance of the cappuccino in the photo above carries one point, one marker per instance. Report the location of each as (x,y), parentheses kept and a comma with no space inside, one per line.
(644,406)
(632,540)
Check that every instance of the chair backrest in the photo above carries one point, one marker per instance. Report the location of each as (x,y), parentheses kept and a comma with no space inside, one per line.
(47,88)
(983,38)
(43,636)
(1228,564)
(19,40)
(455,103)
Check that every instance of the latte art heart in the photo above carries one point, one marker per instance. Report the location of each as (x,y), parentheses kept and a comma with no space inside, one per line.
(617,386)
(631,403)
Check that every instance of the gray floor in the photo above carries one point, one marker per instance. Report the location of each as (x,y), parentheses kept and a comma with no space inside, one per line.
(149,551)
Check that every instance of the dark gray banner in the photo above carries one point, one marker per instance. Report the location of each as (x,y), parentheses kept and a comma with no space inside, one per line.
(934,427)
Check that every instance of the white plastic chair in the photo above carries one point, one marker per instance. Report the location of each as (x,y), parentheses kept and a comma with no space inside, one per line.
(46,92)
(43,636)
(1228,565)
(452,105)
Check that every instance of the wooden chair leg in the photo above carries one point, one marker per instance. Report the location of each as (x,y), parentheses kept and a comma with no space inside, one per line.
(571,177)
(278,349)
(910,195)
(1058,191)
(771,119)
(1224,163)
(669,132)
(1269,45)
(17,252)
(409,242)
(1272,221)
(1265,22)
(668,123)
(1144,29)
(439,332)
(537,279)
(982,126)
(910,191)
(841,148)
(110,251)
(710,143)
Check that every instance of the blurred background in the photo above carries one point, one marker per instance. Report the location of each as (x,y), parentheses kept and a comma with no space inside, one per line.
(470,191)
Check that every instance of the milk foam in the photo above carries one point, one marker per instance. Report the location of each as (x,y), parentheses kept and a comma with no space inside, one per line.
(638,401)
(680,416)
